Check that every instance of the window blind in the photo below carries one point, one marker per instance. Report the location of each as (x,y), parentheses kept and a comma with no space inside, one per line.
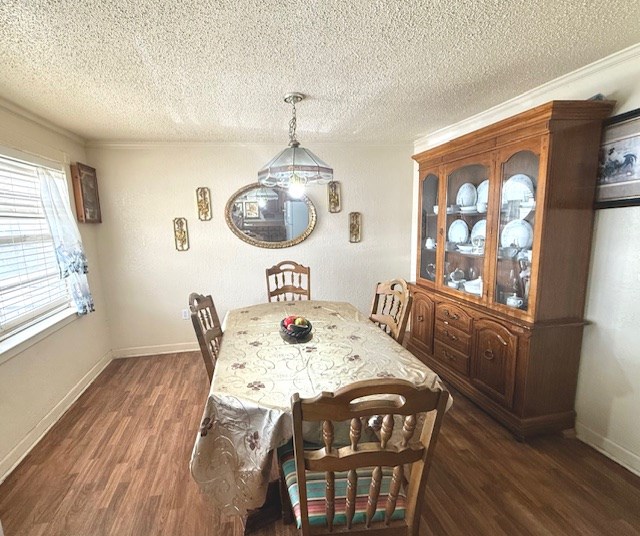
(30,283)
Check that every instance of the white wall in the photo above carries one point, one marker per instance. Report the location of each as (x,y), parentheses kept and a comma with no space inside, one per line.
(39,382)
(608,395)
(143,187)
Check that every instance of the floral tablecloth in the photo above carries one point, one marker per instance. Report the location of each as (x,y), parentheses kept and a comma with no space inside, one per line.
(248,413)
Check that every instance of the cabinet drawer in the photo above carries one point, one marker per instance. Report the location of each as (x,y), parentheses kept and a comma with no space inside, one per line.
(453,337)
(453,315)
(451,358)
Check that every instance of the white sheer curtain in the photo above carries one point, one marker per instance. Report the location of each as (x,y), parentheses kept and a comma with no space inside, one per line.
(66,238)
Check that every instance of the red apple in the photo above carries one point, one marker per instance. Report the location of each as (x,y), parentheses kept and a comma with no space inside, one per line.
(289,320)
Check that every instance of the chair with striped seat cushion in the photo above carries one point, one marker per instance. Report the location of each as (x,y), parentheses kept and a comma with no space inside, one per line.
(362,487)
(316,497)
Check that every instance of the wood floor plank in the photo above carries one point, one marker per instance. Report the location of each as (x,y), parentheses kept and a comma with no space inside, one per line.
(117,463)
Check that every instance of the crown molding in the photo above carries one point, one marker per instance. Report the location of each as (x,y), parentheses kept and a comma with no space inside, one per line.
(529,99)
(23,113)
(133,144)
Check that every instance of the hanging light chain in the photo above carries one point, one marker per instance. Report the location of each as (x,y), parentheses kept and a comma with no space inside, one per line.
(292,125)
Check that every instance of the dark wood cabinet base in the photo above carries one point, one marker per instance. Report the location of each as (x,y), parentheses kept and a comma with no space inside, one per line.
(521,427)
(524,375)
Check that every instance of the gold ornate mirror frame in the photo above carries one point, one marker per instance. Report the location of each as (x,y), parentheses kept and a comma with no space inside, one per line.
(242,235)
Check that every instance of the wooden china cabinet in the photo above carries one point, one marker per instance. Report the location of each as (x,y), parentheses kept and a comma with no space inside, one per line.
(505,224)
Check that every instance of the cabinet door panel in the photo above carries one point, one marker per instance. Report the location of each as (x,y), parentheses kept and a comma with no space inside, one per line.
(494,360)
(520,187)
(467,203)
(428,237)
(422,322)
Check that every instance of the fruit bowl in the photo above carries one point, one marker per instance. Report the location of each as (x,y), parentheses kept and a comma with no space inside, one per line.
(295,333)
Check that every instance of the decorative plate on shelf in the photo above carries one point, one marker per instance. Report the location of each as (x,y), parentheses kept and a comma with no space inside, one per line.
(467,195)
(517,233)
(458,232)
(479,230)
(518,188)
(483,191)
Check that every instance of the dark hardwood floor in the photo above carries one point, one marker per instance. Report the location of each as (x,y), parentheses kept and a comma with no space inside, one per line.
(117,464)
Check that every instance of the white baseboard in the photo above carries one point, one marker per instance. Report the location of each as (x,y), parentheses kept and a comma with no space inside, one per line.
(138,351)
(17,454)
(618,454)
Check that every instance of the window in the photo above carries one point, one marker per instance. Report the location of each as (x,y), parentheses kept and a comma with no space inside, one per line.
(31,287)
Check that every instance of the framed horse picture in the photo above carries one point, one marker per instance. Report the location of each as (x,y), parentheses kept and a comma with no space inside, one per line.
(619,162)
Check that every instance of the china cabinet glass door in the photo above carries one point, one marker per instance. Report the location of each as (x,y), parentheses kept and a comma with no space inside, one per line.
(465,229)
(517,223)
(429,227)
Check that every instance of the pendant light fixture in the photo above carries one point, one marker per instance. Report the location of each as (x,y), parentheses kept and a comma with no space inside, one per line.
(295,167)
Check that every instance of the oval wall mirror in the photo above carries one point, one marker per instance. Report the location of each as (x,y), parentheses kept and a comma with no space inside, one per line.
(270,217)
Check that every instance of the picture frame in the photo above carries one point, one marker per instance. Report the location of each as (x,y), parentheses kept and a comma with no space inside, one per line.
(251,210)
(618,183)
(85,192)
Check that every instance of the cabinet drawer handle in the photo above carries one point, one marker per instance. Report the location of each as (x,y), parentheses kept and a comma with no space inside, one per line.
(450,314)
(420,318)
(489,354)
(452,337)
(447,355)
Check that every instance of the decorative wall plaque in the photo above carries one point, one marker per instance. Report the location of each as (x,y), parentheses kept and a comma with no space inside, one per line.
(85,191)
(203,197)
(181,234)
(333,189)
(355,226)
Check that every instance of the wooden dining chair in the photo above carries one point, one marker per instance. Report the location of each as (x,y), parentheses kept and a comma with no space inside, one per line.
(288,281)
(391,307)
(363,488)
(206,324)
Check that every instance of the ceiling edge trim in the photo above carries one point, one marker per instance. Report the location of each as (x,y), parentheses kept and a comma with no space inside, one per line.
(25,114)
(123,144)
(529,99)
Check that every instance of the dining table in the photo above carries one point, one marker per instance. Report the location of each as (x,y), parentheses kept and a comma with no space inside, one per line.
(248,413)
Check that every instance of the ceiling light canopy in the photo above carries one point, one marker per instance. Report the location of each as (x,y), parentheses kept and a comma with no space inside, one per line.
(295,167)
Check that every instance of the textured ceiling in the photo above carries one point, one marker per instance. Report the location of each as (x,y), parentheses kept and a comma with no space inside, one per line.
(375,71)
